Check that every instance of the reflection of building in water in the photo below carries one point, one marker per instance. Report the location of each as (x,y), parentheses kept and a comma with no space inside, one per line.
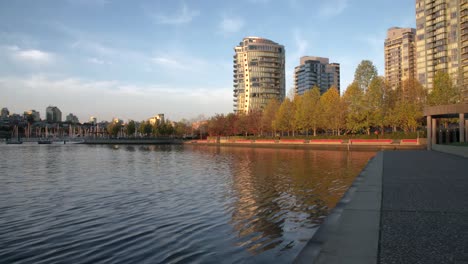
(257,215)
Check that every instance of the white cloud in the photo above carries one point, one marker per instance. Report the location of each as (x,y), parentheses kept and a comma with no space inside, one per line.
(175,61)
(182,16)
(29,55)
(124,100)
(98,61)
(332,8)
(34,55)
(168,62)
(231,24)
(94,47)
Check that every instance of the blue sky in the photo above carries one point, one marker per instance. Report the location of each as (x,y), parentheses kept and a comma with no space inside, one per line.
(134,59)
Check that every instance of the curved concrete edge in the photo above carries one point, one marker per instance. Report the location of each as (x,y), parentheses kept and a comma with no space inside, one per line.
(350,233)
(455,150)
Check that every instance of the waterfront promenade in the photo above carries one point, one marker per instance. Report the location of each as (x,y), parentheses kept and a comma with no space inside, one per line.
(404,207)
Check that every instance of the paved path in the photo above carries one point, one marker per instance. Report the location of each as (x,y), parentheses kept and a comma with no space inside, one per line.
(424,214)
(405,207)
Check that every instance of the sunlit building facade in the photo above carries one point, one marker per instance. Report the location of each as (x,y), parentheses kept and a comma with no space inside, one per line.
(259,74)
(35,115)
(316,71)
(157,119)
(442,41)
(400,59)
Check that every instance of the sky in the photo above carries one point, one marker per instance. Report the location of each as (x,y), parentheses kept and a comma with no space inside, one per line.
(135,59)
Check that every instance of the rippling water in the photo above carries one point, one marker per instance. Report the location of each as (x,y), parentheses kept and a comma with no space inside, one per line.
(165,204)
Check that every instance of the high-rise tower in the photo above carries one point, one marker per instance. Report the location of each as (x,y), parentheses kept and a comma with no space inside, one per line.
(259,73)
(400,59)
(316,71)
(438,40)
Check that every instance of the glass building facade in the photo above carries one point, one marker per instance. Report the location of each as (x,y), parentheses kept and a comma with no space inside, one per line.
(259,74)
(316,71)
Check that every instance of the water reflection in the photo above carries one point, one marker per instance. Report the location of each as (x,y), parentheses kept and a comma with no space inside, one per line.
(161,204)
(280,193)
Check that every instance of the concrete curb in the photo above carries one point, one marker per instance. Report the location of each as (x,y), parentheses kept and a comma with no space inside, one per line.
(455,150)
(350,233)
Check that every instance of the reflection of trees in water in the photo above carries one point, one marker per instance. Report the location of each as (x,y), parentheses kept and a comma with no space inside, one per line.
(283,190)
(276,193)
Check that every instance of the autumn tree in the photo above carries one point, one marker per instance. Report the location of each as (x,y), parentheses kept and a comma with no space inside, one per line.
(375,99)
(331,108)
(283,120)
(443,91)
(409,106)
(311,110)
(364,74)
(254,123)
(269,116)
(298,113)
(113,129)
(355,109)
(232,124)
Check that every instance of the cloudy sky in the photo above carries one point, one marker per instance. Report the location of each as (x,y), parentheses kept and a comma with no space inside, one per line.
(134,59)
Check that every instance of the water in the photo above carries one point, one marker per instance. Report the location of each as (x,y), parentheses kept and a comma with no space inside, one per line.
(165,204)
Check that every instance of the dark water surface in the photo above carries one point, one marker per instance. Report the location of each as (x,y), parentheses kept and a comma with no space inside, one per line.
(165,204)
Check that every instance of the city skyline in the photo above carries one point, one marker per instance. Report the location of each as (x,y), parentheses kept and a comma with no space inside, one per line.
(109,59)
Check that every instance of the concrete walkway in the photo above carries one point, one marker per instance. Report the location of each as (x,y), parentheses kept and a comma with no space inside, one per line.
(405,207)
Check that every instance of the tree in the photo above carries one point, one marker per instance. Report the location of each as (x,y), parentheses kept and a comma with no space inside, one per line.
(284,116)
(298,114)
(311,110)
(130,128)
(375,98)
(254,123)
(232,122)
(331,108)
(443,91)
(113,129)
(355,114)
(365,72)
(410,104)
(145,128)
(217,125)
(269,116)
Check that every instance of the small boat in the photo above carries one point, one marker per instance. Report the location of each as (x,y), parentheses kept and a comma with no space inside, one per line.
(44,141)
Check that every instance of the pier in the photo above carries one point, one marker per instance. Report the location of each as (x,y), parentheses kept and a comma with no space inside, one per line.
(404,207)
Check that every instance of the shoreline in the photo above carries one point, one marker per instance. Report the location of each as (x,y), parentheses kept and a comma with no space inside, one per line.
(321,146)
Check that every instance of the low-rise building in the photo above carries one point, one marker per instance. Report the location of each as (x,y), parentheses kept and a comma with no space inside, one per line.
(36,116)
(71,118)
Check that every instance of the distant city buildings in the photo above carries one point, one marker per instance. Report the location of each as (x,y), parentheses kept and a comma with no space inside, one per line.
(157,119)
(316,71)
(4,113)
(53,114)
(71,118)
(35,115)
(259,73)
(400,55)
